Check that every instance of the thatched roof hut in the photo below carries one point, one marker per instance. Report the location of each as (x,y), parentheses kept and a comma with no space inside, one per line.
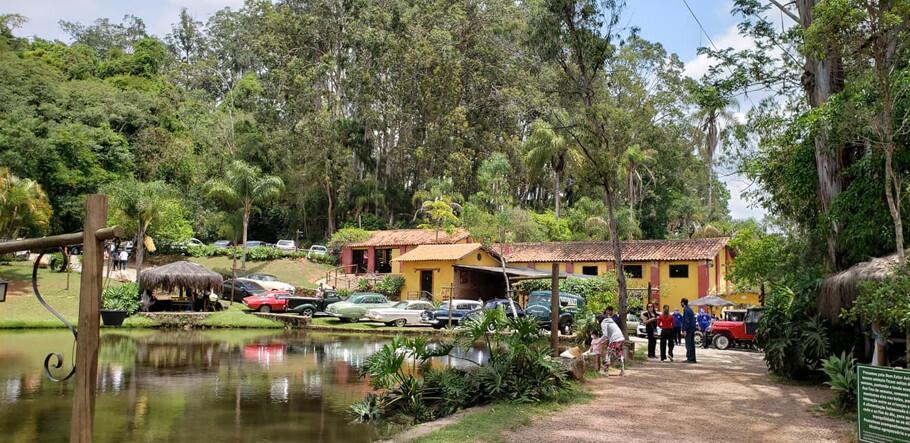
(181,274)
(839,290)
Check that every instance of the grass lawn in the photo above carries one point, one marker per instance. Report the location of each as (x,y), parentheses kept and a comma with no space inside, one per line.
(298,272)
(487,425)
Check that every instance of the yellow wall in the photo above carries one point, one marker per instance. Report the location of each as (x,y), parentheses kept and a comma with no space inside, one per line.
(443,272)
(673,290)
(396,266)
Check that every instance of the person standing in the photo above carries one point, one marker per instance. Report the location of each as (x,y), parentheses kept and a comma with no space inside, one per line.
(124,257)
(688,330)
(665,322)
(607,313)
(649,318)
(677,324)
(704,321)
(615,340)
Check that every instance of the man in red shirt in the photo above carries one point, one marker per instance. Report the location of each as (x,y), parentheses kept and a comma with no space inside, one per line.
(665,322)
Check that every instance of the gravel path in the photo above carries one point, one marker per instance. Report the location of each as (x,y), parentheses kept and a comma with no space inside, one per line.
(726,397)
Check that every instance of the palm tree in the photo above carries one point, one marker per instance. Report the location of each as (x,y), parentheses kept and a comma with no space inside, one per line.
(547,148)
(634,162)
(713,109)
(23,205)
(139,205)
(244,185)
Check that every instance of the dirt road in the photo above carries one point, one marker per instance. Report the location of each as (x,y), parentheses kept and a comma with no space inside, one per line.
(726,397)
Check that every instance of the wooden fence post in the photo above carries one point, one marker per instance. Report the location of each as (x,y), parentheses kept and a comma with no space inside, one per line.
(554,310)
(83,413)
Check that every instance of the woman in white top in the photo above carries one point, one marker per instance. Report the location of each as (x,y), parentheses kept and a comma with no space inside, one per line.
(615,338)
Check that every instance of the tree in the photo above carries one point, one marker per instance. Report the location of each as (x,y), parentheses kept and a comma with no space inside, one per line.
(545,147)
(242,187)
(24,206)
(713,104)
(137,205)
(438,216)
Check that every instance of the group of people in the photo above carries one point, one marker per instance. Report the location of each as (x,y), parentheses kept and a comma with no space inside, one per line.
(674,327)
(118,257)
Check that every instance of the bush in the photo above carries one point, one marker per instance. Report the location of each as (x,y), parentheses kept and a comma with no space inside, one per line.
(390,286)
(364,285)
(56,262)
(346,236)
(325,259)
(520,369)
(841,372)
(794,340)
(262,253)
(121,298)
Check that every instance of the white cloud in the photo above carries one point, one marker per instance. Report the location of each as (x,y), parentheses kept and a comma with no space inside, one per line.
(730,38)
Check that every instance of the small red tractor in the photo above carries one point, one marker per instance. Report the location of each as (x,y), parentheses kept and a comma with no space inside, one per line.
(724,333)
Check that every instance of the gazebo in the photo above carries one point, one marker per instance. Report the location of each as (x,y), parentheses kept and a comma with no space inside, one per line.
(188,278)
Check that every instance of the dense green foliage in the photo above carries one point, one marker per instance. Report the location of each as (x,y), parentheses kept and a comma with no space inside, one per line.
(794,341)
(123,297)
(599,292)
(841,372)
(520,369)
(371,114)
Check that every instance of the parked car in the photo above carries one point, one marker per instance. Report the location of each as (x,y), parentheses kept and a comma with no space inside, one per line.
(317,250)
(723,333)
(221,244)
(256,243)
(497,303)
(401,313)
(632,321)
(309,305)
(269,281)
(539,303)
(439,318)
(357,305)
(268,301)
(642,331)
(286,245)
(241,289)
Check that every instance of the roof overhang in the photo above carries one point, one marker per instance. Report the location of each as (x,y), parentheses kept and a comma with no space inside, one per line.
(518,274)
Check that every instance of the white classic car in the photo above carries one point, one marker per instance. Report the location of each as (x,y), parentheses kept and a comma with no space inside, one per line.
(401,313)
(270,282)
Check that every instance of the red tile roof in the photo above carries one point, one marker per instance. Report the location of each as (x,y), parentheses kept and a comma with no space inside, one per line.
(439,252)
(410,237)
(599,251)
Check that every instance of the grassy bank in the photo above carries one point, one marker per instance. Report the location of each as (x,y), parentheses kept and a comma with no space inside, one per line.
(298,272)
(488,424)
(23,311)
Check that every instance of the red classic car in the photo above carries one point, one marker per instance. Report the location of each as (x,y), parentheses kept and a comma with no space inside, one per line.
(269,301)
(724,333)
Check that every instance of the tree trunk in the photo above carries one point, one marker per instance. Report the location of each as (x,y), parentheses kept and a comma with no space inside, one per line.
(820,80)
(140,247)
(330,210)
(246,224)
(617,257)
(892,195)
(556,185)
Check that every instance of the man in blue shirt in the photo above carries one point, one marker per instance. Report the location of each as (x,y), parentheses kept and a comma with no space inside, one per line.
(688,330)
(677,326)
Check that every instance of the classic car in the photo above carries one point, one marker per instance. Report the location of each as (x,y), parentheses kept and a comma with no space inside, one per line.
(357,305)
(723,333)
(286,245)
(439,318)
(497,303)
(401,313)
(538,307)
(269,281)
(309,305)
(269,301)
(240,289)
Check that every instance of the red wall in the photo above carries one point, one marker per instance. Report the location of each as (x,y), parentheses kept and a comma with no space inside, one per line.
(702,278)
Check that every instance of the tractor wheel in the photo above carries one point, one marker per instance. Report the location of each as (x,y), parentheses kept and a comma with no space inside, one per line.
(401,322)
(566,329)
(699,338)
(265,309)
(721,342)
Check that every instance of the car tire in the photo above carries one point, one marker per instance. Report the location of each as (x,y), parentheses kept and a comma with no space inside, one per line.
(401,322)
(566,329)
(307,312)
(265,309)
(721,342)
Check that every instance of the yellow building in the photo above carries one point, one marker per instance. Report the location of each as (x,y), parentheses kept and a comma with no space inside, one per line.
(675,269)
(446,270)
(376,255)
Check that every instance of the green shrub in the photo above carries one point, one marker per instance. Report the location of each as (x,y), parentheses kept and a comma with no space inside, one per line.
(121,298)
(56,262)
(364,285)
(343,293)
(262,253)
(202,250)
(794,340)
(325,259)
(346,236)
(841,372)
(390,286)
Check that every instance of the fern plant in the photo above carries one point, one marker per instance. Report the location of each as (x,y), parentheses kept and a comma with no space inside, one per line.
(841,372)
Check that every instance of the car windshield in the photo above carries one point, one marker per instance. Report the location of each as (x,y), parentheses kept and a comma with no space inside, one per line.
(252,285)
(358,299)
(400,305)
(285,242)
(264,277)
(318,248)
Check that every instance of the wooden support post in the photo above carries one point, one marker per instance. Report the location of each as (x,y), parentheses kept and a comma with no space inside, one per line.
(83,414)
(554,310)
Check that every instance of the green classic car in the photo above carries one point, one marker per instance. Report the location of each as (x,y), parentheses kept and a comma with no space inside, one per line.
(357,305)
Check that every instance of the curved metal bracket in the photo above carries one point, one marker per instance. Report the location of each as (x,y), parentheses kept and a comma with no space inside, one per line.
(58,357)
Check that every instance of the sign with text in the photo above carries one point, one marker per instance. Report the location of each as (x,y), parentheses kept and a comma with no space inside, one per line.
(883,399)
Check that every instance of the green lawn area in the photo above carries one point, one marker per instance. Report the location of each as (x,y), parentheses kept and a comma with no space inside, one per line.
(487,425)
(298,272)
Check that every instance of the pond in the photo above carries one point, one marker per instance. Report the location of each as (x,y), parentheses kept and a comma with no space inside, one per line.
(192,386)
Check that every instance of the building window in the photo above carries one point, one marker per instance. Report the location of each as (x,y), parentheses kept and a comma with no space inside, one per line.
(679,271)
(634,271)
(383,261)
(589,270)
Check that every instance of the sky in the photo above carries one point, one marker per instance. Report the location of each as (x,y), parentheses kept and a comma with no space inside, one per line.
(666,21)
